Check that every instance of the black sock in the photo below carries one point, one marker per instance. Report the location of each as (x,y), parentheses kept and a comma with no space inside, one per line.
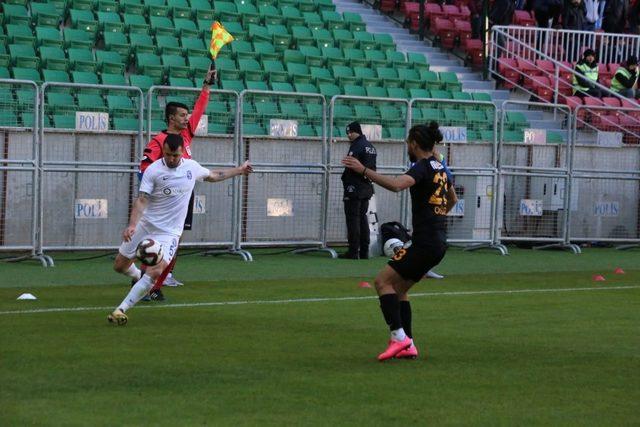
(405,315)
(391,310)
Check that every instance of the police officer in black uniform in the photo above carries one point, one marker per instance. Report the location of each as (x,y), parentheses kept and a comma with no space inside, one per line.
(357,192)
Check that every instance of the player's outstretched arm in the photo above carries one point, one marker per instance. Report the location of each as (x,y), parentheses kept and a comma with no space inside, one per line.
(222,174)
(452,198)
(139,206)
(395,184)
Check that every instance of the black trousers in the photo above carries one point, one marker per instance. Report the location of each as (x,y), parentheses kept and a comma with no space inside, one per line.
(355,211)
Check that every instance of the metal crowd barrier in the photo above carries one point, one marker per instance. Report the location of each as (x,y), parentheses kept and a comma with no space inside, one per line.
(534,185)
(282,202)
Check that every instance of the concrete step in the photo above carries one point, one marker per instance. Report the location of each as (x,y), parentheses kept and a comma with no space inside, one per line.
(477,84)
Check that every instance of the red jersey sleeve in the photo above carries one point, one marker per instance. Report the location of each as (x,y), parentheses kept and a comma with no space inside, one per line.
(198,110)
(152,152)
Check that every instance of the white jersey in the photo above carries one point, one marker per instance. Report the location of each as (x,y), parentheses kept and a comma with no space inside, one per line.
(169,192)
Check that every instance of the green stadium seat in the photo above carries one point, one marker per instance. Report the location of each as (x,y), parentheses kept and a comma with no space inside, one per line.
(227,69)
(186,28)
(114,79)
(108,6)
(516,120)
(389,76)
(53,58)
(282,87)
(8,119)
(118,42)
(126,124)
(133,7)
(322,37)
(235,85)
(110,22)
(419,93)
(302,36)
(274,70)
(45,14)
(328,90)
(513,136)
(314,111)
(85,77)
(168,45)
(354,21)
(243,49)
(110,62)
(199,64)
(397,133)
(418,61)
(157,8)
(23,56)
(256,85)
(258,33)
(151,65)
(180,9)
(181,82)
(392,113)
(477,120)
(367,113)
(265,50)
(377,58)
(279,36)
(312,56)
(411,78)
(430,79)
(384,41)
(248,13)
(141,81)
(4,74)
(441,94)
(321,75)
(450,81)
(333,56)
(253,129)
(28,120)
(175,66)
(292,110)
(367,76)
(82,60)
(84,20)
(16,14)
(81,4)
(270,15)
(344,38)
(291,55)
(299,73)
(136,24)
(481,96)
(20,34)
(398,92)
(396,58)
(158,125)
(344,75)
(354,90)
(55,76)
(306,5)
(333,20)
(462,96)
(355,58)
(202,9)
(306,88)
(324,5)
(365,40)
(554,138)
(5,59)
(343,111)
(47,36)
(312,20)
(226,11)
(76,38)
(376,92)
(292,16)
(218,129)
(251,68)
(193,46)
(267,108)
(142,43)
(454,117)
(431,114)
(91,102)
(306,130)
(161,25)
(64,121)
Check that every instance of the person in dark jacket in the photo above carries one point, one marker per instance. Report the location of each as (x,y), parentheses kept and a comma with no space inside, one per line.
(625,79)
(358,189)
(475,8)
(586,75)
(546,10)
(573,15)
(614,16)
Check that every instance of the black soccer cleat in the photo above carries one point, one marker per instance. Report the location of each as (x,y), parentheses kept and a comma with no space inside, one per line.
(348,255)
(156,295)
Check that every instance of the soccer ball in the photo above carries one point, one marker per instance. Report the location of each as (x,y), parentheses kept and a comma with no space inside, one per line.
(149,252)
(392,246)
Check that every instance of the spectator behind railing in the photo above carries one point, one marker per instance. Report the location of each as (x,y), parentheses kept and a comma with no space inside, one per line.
(625,80)
(587,67)
(591,15)
(614,16)
(547,12)
(634,17)
(573,15)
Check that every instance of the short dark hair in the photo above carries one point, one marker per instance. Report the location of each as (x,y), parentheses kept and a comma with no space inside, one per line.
(171,108)
(173,141)
(426,136)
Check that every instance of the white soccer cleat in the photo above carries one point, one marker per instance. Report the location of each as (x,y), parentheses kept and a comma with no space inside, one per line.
(433,275)
(118,317)
(171,281)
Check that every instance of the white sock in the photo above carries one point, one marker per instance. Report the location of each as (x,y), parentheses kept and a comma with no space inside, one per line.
(139,290)
(398,335)
(133,272)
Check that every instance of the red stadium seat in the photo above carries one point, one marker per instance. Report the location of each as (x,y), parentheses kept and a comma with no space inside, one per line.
(630,127)
(463,31)
(565,83)
(387,6)
(523,19)
(603,71)
(451,12)
(528,70)
(572,102)
(473,48)
(611,101)
(547,67)
(613,67)
(432,12)
(593,113)
(508,69)
(445,32)
(543,88)
(606,122)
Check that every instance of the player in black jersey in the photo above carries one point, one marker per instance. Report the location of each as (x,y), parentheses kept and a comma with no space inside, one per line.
(432,196)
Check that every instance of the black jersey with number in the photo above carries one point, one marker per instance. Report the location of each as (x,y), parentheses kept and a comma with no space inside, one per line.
(428,202)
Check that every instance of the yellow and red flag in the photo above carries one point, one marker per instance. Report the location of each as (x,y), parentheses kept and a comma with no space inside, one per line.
(219,37)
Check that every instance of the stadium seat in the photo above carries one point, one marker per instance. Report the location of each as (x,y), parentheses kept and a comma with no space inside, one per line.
(313,56)
(410,77)
(234,85)
(292,16)
(265,50)
(151,65)
(16,14)
(321,75)
(47,36)
(55,76)
(142,81)
(44,14)
(64,121)
(125,124)
(110,62)
(354,90)
(186,28)
(376,58)
(19,34)
(251,69)
(82,60)
(355,58)
(23,56)
(389,76)
(279,36)
(270,15)
(367,76)
(75,38)
(136,24)
(312,20)
(376,92)
(227,69)
(354,21)
(133,7)
(168,45)
(365,40)
(110,22)
(299,73)
(399,93)
(430,79)
(275,71)
(344,75)
(306,88)
(175,66)
(84,20)
(53,58)
(91,102)
(114,79)
(282,87)
(256,85)
(193,46)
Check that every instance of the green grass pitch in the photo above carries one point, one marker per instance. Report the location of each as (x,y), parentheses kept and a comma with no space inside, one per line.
(526,339)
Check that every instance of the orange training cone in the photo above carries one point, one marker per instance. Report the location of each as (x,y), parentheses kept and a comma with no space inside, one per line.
(598,278)
(618,271)
(364,285)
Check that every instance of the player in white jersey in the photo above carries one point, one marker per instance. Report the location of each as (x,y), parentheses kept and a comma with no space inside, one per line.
(159,212)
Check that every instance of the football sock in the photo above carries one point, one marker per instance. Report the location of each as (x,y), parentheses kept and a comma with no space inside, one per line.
(133,272)
(398,335)
(139,290)
(391,310)
(405,316)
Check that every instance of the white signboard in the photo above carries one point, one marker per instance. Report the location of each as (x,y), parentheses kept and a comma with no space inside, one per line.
(203,125)
(279,207)
(609,139)
(90,121)
(535,136)
(458,209)
(606,209)
(91,209)
(454,133)
(530,207)
(279,127)
(372,132)
(199,204)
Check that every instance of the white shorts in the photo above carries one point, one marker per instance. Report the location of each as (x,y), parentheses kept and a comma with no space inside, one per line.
(169,243)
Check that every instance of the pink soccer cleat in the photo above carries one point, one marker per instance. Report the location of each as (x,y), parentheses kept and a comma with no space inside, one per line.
(408,353)
(394,348)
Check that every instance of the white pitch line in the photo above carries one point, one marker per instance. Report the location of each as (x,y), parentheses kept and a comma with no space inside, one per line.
(319,299)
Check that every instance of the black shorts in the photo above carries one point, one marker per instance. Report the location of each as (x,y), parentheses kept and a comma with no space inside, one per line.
(413,262)
(189,218)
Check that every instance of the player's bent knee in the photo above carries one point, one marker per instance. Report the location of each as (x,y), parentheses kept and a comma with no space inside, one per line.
(121,264)
(155,271)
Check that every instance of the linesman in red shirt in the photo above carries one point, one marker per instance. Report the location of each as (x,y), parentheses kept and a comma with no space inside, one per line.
(180,123)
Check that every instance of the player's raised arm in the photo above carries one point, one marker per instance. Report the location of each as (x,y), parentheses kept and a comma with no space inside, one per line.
(395,184)
(139,206)
(222,174)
